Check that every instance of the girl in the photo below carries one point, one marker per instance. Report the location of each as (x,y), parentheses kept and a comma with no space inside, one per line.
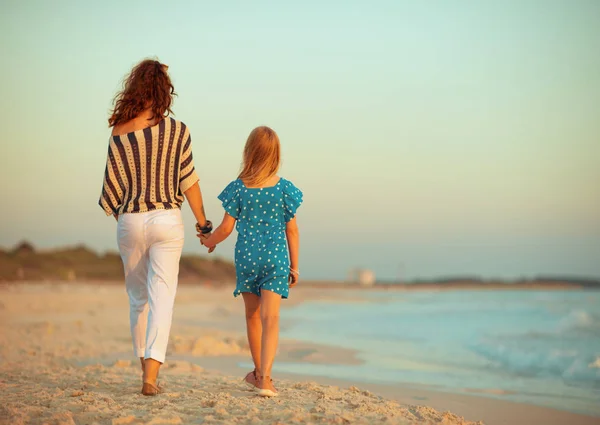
(264,206)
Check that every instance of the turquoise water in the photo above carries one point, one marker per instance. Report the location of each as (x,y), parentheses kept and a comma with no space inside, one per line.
(531,346)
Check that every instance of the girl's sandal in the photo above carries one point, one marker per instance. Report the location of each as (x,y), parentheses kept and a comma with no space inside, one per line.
(149,389)
(247,379)
(264,392)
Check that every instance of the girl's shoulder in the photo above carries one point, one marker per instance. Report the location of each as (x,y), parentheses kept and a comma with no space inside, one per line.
(233,188)
(235,184)
(238,185)
(287,185)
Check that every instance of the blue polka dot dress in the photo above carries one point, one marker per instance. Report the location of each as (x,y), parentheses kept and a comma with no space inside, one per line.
(261,254)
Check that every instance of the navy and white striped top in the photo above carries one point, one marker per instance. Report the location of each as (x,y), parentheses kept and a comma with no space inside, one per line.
(148,169)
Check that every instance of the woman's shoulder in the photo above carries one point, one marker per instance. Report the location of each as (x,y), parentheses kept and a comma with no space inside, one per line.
(177,123)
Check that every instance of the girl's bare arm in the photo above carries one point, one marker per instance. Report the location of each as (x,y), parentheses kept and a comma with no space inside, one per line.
(220,234)
(293,239)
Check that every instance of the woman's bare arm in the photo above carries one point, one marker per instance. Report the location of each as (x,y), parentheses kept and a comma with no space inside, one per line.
(194,197)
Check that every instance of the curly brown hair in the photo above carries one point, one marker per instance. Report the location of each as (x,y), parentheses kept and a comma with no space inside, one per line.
(147,86)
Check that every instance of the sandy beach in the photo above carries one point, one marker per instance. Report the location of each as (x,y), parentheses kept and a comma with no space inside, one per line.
(66,358)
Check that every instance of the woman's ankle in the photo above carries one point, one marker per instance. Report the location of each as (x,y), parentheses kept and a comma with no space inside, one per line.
(150,378)
(152,368)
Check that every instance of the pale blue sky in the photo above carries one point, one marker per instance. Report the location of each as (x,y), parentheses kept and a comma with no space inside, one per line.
(430,138)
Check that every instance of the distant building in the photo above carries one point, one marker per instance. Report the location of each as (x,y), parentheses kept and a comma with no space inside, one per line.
(363,277)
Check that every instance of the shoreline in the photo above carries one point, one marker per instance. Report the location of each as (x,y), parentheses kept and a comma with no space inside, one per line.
(339,285)
(492,411)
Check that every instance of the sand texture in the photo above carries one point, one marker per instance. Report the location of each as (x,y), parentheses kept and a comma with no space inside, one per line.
(65,358)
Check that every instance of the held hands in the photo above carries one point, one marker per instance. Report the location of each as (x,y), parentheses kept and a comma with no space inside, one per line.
(203,238)
(204,233)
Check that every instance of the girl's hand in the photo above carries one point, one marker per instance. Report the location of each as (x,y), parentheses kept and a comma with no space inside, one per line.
(219,235)
(203,238)
(293,279)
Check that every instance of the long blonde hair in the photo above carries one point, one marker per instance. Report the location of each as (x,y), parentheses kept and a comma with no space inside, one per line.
(261,156)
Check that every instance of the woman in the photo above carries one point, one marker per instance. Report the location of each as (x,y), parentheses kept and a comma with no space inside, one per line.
(149,170)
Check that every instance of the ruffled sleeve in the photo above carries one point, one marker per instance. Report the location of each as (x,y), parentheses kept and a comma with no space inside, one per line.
(292,199)
(230,198)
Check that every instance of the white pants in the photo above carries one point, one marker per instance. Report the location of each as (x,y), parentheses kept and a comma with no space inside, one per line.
(150,244)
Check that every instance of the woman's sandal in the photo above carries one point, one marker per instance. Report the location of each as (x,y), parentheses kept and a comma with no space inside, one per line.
(248,382)
(264,392)
(151,389)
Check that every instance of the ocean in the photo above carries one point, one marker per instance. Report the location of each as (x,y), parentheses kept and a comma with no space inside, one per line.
(537,347)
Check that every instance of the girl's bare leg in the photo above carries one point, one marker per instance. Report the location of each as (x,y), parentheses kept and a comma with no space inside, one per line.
(254,331)
(269,314)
